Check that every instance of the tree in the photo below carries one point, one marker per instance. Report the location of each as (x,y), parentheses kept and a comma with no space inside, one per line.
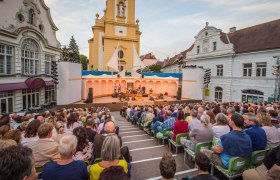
(84,61)
(155,68)
(74,50)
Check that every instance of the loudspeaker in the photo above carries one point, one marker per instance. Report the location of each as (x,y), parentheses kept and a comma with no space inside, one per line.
(179,93)
(144,90)
(142,76)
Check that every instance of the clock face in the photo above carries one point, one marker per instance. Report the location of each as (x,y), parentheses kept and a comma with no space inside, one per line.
(120,31)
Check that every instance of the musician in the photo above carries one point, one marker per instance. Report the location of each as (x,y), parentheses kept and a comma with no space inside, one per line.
(151,91)
(119,88)
(115,88)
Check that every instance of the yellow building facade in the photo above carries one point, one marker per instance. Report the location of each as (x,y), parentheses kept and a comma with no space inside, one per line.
(117,26)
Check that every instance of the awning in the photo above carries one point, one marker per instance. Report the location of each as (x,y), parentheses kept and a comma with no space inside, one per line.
(30,83)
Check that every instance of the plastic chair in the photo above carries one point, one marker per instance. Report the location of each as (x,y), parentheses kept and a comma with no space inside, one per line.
(197,148)
(163,136)
(237,165)
(177,144)
(257,158)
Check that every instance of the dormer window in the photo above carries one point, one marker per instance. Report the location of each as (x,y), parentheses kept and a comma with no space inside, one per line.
(197,49)
(31,15)
(214,46)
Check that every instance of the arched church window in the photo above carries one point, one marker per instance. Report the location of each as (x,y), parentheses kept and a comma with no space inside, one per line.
(31,15)
(29,57)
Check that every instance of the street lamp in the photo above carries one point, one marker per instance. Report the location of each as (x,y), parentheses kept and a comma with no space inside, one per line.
(276,72)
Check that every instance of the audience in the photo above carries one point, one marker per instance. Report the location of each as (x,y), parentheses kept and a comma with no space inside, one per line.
(45,149)
(110,155)
(202,163)
(30,135)
(113,173)
(17,163)
(90,129)
(180,126)
(167,124)
(234,143)
(167,167)
(65,167)
(220,128)
(256,133)
(194,122)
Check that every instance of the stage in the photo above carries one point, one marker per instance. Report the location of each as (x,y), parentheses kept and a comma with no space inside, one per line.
(114,104)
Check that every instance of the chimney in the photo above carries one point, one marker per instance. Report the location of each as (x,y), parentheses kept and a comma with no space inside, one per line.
(232,29)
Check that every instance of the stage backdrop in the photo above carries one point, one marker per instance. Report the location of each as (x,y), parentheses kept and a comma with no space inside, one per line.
(70,83)
(192,83)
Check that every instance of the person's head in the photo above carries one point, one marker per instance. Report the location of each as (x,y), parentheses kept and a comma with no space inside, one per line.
(194,113)
(113,173)
(89,122)
(212,117)
(167,166)
(111,148)
(263,119)
(231,110)
(202,162)
(249,119)
(109,127)
(32,129)
(51,120)
(168,113)
(181,115)
(59,127)
(40,118)
(67,145)
(200,110)
(82,138)
(273,114)
(45,131)
(14,135)
(221,119)
(71,120)
(5,143)
(4,129)
(24,125)
(17,163)
(5,120)
(236,121)
(205,119)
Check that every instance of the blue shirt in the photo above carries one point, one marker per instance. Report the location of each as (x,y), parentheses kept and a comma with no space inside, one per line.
(258,137)
(76,170)
(235,143)
(169,123)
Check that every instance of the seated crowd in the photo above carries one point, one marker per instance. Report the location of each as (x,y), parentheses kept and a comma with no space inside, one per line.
(84,143)
(66,144)
(233,129)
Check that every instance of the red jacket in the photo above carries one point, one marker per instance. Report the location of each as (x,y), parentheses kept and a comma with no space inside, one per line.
(179,128)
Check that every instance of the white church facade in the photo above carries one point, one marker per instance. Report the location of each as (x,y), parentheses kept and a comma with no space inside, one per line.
(241,61)
(28,45)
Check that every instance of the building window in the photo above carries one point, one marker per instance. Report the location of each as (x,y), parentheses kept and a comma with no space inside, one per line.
(48,60)
(31,16)
(6,59)
(197,49)
(251,95)
(30,98)
(214,46)
(49,94)
(261,69)
(6,102)
(247,70)
(120,54)
(29,57)
(218,94)
(220,70)
(20,17)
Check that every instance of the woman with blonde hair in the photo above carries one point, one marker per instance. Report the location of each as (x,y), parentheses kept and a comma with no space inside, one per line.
(110,155)
(272,134)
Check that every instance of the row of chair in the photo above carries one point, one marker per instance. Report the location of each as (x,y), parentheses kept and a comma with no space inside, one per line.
(237,165)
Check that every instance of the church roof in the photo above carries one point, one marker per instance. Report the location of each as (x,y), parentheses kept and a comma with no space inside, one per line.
(260,37)
(174,59)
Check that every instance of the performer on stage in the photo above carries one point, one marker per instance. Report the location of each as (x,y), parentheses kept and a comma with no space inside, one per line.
(151,91)
(119,88)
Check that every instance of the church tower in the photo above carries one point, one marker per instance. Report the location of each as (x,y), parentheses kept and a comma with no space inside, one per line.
(116,27)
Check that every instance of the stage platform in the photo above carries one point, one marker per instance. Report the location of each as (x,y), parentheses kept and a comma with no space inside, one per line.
(114,104)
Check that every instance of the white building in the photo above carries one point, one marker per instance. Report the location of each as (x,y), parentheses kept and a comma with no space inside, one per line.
(28,44)
(241,61)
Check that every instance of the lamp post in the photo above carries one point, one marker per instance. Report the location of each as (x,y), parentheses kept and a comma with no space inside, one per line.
(276,72)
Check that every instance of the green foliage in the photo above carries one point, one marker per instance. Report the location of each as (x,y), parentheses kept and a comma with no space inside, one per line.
(73,48)
(156,68)
(84,61)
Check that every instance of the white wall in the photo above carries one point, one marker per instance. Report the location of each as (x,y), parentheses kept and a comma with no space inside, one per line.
(192,83)
(69,89)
